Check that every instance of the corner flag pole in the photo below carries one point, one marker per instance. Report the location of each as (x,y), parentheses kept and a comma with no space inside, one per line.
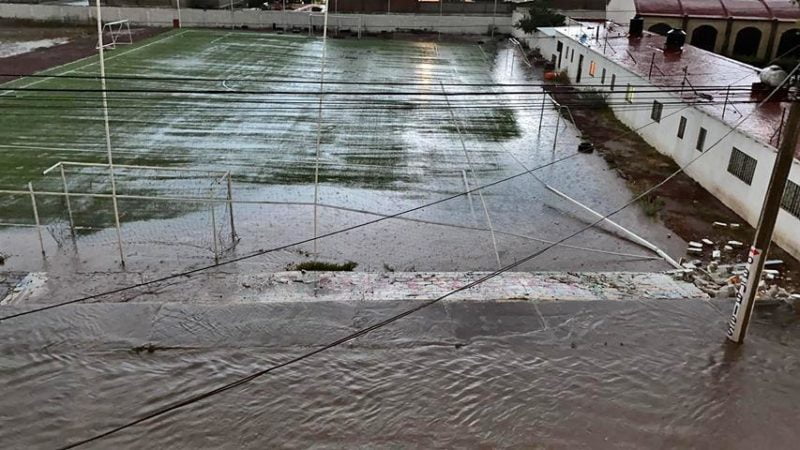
(745,297)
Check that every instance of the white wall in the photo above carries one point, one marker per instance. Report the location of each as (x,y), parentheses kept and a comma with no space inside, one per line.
(711,169)
(163,17)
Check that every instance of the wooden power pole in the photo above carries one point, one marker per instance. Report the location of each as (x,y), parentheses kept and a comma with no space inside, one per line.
(745,297)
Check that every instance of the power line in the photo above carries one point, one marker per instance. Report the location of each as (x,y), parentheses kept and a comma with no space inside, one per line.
(394,318)
(647,87)
(334,82)
(281,247)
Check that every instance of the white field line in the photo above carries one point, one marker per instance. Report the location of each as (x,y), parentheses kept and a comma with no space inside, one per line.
(115,55)
(264,162)
(214,41)
(474,176)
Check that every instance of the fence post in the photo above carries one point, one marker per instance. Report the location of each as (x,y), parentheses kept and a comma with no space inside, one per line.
(214,227)
(541,116)
(69,205)
(230,208)
(558,124)
(36,218)
(725,105)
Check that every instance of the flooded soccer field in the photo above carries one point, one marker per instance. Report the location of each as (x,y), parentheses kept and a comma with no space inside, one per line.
(397,123)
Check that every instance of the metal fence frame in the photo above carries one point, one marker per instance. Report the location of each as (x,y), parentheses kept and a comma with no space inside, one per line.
(221,177)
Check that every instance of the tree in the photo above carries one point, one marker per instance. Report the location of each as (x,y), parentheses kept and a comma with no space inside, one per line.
(539,15)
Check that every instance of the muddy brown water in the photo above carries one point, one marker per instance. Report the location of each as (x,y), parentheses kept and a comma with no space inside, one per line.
(458,374)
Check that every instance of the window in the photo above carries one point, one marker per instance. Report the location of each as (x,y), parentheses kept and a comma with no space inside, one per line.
(701,139)
(613,81)
(658,108)
(682,127)
(791,199)
(629,94)
(742,166)
(572,56)
(592,68)
(603,76)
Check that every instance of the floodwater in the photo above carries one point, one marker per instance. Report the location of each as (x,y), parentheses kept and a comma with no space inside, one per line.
(403,146)
(603,374)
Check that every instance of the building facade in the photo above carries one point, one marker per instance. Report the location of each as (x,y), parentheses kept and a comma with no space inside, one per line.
(728,147)
(752,31)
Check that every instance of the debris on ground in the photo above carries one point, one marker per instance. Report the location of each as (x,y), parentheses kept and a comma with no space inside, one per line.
(725,280)
(686,208)
(717,261)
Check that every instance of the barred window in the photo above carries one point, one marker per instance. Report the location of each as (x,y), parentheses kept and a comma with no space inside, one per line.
(613,81)
(742,166)
(658,108)
(603,76)
(701,139)
(682,127)
(791,199)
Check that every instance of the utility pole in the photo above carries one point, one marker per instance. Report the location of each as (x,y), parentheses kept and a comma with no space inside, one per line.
(745,297)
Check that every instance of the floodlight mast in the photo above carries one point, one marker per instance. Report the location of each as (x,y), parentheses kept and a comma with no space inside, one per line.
(104,96)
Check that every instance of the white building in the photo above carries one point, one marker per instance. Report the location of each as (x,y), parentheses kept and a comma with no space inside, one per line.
(737,156)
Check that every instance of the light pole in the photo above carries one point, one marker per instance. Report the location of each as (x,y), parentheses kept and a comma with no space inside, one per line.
(104,96)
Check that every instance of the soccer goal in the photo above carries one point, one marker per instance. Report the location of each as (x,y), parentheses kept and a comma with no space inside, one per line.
(337,23)
(117,32)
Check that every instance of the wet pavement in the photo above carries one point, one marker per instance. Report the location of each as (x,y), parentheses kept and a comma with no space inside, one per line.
(601,374)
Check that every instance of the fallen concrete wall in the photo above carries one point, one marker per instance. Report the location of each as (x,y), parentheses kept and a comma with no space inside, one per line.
(252,18)
(295,286)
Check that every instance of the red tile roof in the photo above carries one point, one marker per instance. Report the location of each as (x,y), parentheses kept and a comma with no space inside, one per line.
(737,9)
(704,68)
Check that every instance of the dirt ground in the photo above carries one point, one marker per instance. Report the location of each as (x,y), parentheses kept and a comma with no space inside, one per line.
(83,43)
(682,204)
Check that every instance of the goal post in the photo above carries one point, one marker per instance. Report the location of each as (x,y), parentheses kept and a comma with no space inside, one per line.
(118,32)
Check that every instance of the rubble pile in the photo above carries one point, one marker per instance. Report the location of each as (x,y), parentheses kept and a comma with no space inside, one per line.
(717,267)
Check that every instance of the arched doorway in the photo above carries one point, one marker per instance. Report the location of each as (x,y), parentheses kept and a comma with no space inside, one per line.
(747,42)
(705,37)
(789,45)
(660,28)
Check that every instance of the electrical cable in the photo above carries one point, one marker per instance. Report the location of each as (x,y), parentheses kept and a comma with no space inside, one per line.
(303,81)
(394,318)
(281,247)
